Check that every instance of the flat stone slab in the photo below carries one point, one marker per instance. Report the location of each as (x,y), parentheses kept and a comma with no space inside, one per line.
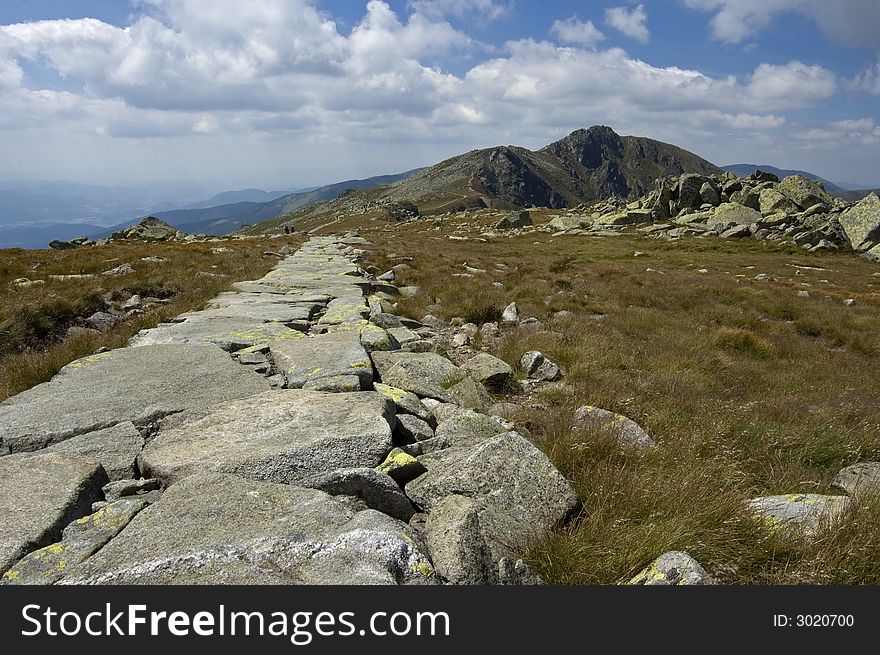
(41,494)
(139,385)
(222,529)
(323,356)
(255,312)
(801,515)
(116,449)
(428,375)
(489,370)
(279,436)
(230,334)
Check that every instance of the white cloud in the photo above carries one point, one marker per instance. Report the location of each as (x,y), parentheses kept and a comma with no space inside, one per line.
(868,80)
(279,81)
(850,22)
(631,22)
(791,85)
(489,9)
(575,31)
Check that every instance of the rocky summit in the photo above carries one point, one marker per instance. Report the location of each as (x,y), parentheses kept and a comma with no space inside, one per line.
(292,432)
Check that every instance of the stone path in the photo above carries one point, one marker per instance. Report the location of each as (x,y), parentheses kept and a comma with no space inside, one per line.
(288,438)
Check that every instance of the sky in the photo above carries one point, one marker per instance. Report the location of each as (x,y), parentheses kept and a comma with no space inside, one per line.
(295,93)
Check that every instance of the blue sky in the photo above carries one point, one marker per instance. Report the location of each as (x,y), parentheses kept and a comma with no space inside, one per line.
(284,93)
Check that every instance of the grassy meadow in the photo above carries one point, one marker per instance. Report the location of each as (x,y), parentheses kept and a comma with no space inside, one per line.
(34,320)
(748,387)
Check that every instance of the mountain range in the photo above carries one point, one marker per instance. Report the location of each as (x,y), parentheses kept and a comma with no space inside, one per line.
(587,165)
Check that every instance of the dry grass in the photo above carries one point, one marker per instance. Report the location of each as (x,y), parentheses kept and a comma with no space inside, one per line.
(748,388)
(34,320)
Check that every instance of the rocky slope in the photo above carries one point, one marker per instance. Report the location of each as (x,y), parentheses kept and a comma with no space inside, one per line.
(587,165)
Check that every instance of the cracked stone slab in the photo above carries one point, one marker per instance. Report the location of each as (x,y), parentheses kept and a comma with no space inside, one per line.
(115,448)
(41,494)
(138,385)
(280,436)
(222,529)
(81,539)
(323,356)
(230,334)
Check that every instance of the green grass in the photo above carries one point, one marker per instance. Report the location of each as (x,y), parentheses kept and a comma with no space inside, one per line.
(34,321)
(748,389)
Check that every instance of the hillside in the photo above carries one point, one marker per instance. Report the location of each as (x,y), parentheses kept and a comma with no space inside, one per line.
(585,166)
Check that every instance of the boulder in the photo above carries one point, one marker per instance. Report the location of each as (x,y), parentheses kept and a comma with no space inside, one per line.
(279,436)
(801,515)
(510,315)
(624,430)
(323,356)
(470,394)
(537,367)
(222,529)
(115,448)
(689,186)
(731,213)
(428,375)
(467,428)
(410,429)
(140,385)
(515,220)
(41,494)
(803,192)
(401,466)
(860,480)
(673,568)
(455,541)
(521,494)
(772,202)
(488,370)
(862,223)
(566,222)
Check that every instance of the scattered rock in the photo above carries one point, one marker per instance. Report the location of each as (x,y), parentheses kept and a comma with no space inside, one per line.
(537,367)
(673,568)
(489,370)
(510,316)
(801,515)
(624,430)
(860,480)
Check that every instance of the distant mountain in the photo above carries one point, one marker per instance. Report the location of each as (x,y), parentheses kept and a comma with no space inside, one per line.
(856,195)
(39,236)
(232,197)
(585,166)
(744,170)
(225,219)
